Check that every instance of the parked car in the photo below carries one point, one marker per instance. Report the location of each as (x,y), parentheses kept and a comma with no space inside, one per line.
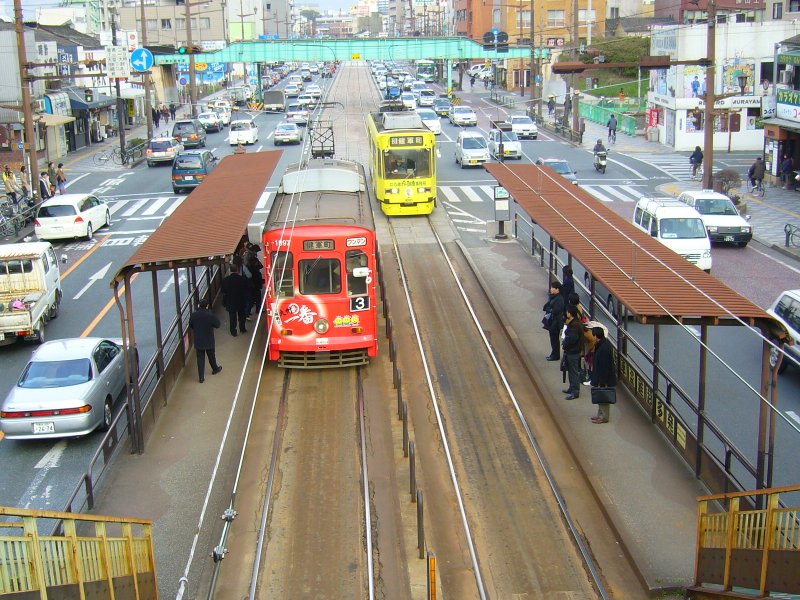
(191,168)
(561,167)
(68,388)
(190,132)
(511,146)
(471,149)
(71,216)
(287,133)
(243,131)
(210,120)
(720,217)
(297,114)
(524,127)
(430,119)
(162,149)
(463,116)
(786,309)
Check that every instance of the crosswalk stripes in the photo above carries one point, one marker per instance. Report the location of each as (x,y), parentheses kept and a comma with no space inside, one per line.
(466,194)
(674,165)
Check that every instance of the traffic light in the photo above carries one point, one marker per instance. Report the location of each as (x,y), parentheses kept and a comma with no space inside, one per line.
(488,40)
(88,95)
(190,50)
(502,42)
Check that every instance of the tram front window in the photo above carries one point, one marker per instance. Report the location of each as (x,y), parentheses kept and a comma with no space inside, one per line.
(401,164)
(283,276)
(356,286)
(320,276)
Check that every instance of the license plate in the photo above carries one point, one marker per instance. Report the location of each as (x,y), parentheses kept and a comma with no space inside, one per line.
(188,177)
(728,238)
(46,427)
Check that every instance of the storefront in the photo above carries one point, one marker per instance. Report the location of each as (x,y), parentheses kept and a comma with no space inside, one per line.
(782,133)
(58,114)
(91,117)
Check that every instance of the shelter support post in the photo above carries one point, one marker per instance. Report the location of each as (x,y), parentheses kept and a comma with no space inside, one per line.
(176,285)
(773,416)
(763,418)
(133,353)
(656,359)
(159,333)
(701,400)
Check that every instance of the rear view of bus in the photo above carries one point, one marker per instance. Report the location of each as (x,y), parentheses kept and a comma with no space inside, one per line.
(319,248)
(403,163)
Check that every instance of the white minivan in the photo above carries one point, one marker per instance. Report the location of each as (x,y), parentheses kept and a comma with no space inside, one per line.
(786,308)
(723,222)
(677,226)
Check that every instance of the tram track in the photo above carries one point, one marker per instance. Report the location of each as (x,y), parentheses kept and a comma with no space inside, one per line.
(521,537)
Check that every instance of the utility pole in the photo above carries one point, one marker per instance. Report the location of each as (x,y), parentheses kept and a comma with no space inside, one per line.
(576,43)
(146,74)
(27,103)
(536,93)
(192,74)
(708,117)
(120,101)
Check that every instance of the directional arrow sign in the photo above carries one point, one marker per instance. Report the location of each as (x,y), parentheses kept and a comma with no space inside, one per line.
(142,59)
(98,275)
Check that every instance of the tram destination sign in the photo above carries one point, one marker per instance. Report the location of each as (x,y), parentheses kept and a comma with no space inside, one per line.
(311,245)
(405,140)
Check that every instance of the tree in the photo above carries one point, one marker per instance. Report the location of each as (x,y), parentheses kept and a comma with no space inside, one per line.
(311,16)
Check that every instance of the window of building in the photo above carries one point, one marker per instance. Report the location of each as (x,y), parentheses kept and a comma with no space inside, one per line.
(205,23)
(777,10)
(496,17)
(582,16)
(269,6)
(152,24)
(794,5)
(166,23)
(180,23)
(555,18)
(614,12)
(525,19)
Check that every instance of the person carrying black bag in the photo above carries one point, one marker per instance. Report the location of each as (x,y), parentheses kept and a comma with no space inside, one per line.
(573,344)
(604,377)
(554,319)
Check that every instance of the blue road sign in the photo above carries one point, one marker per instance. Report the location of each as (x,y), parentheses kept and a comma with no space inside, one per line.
(142,59)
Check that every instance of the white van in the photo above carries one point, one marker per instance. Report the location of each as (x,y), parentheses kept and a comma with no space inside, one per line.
(30,290)
(786,309)
(677,226)
(719,214)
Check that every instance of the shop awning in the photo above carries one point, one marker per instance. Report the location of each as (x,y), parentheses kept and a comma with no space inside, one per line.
(783,124)
(77,99)
(49,120)
(789,58)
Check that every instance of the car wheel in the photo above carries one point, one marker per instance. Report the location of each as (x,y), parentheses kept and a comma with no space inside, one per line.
(89,232)
(39,332)
(108,416)
(151,163)
(54,308)
(275,143)
(108,219)
(175,190)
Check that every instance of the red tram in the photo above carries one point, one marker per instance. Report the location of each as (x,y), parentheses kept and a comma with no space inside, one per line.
(319,251)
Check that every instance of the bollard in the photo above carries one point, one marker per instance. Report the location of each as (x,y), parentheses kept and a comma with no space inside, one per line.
(405,429)
(412,470)
(432,576)
(420,525)
(389,328)
(400,397)
(392,350)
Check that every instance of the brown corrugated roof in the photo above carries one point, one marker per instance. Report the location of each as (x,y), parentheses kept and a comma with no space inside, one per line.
(213,218)
(646,276)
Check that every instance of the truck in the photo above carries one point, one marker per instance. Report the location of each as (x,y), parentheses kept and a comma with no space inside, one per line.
(274,101)
(30,291)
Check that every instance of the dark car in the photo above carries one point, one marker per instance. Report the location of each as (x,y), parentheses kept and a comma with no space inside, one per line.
(442,107)
(191,167)
(190,132)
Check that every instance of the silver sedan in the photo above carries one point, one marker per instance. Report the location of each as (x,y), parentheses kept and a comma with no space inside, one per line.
(67,389)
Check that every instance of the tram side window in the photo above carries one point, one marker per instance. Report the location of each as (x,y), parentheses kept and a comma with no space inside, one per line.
(320,276)
(282,274)
(356,286)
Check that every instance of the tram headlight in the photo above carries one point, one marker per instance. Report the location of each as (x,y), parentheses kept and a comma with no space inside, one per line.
(321,326)
(409,192)
(393,191)
(423,190)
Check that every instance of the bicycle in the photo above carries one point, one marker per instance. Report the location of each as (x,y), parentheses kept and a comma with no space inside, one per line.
(612,136)
(10,221)
(758,189)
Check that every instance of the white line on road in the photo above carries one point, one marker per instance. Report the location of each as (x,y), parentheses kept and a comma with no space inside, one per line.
(472,195)
(451,195)
(92,278)
(74,179)
(772,258)
(49,461)
(793,416)
(156,205)
(135,207)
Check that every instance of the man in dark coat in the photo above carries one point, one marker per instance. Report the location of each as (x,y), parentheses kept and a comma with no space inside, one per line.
(235,294)
(555,307)
(604,373)
(573,344)
(203,323)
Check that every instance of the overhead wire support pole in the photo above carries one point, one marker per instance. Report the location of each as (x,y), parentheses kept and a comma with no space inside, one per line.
(120,100)
(27,103)
(146,75)
(192,74)
(708,126)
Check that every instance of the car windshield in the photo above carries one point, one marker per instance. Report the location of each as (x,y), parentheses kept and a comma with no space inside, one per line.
(684,229)
(427,93)
(57,210)
(715,206)
(240,126)
(473,143)
(521,120)
(510,136)
(57,373)
(559,166)
(463,110)
(162,145)
(407,96)
(295,108)
(209,116)
(188,161)
(286,128)
(428,115)
(403,164)
(183,128)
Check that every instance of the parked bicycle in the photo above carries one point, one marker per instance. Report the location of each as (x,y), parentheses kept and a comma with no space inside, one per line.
(10,221)
(117,156)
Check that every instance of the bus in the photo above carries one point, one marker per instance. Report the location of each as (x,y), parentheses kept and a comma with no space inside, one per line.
(403,163)
(320,260)
(426,70)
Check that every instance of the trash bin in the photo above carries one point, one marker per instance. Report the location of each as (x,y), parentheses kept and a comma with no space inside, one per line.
(652,134)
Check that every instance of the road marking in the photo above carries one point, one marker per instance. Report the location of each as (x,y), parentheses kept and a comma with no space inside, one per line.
(472,195)
(171,282)
(100,274)
(780,262)
(451,195)
(89,252)
(121,292)
(135,207)
(156,205)
(793,416)
(74,179)
(49,461)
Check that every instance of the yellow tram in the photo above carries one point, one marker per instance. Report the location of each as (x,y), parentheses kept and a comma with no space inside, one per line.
(403,163)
